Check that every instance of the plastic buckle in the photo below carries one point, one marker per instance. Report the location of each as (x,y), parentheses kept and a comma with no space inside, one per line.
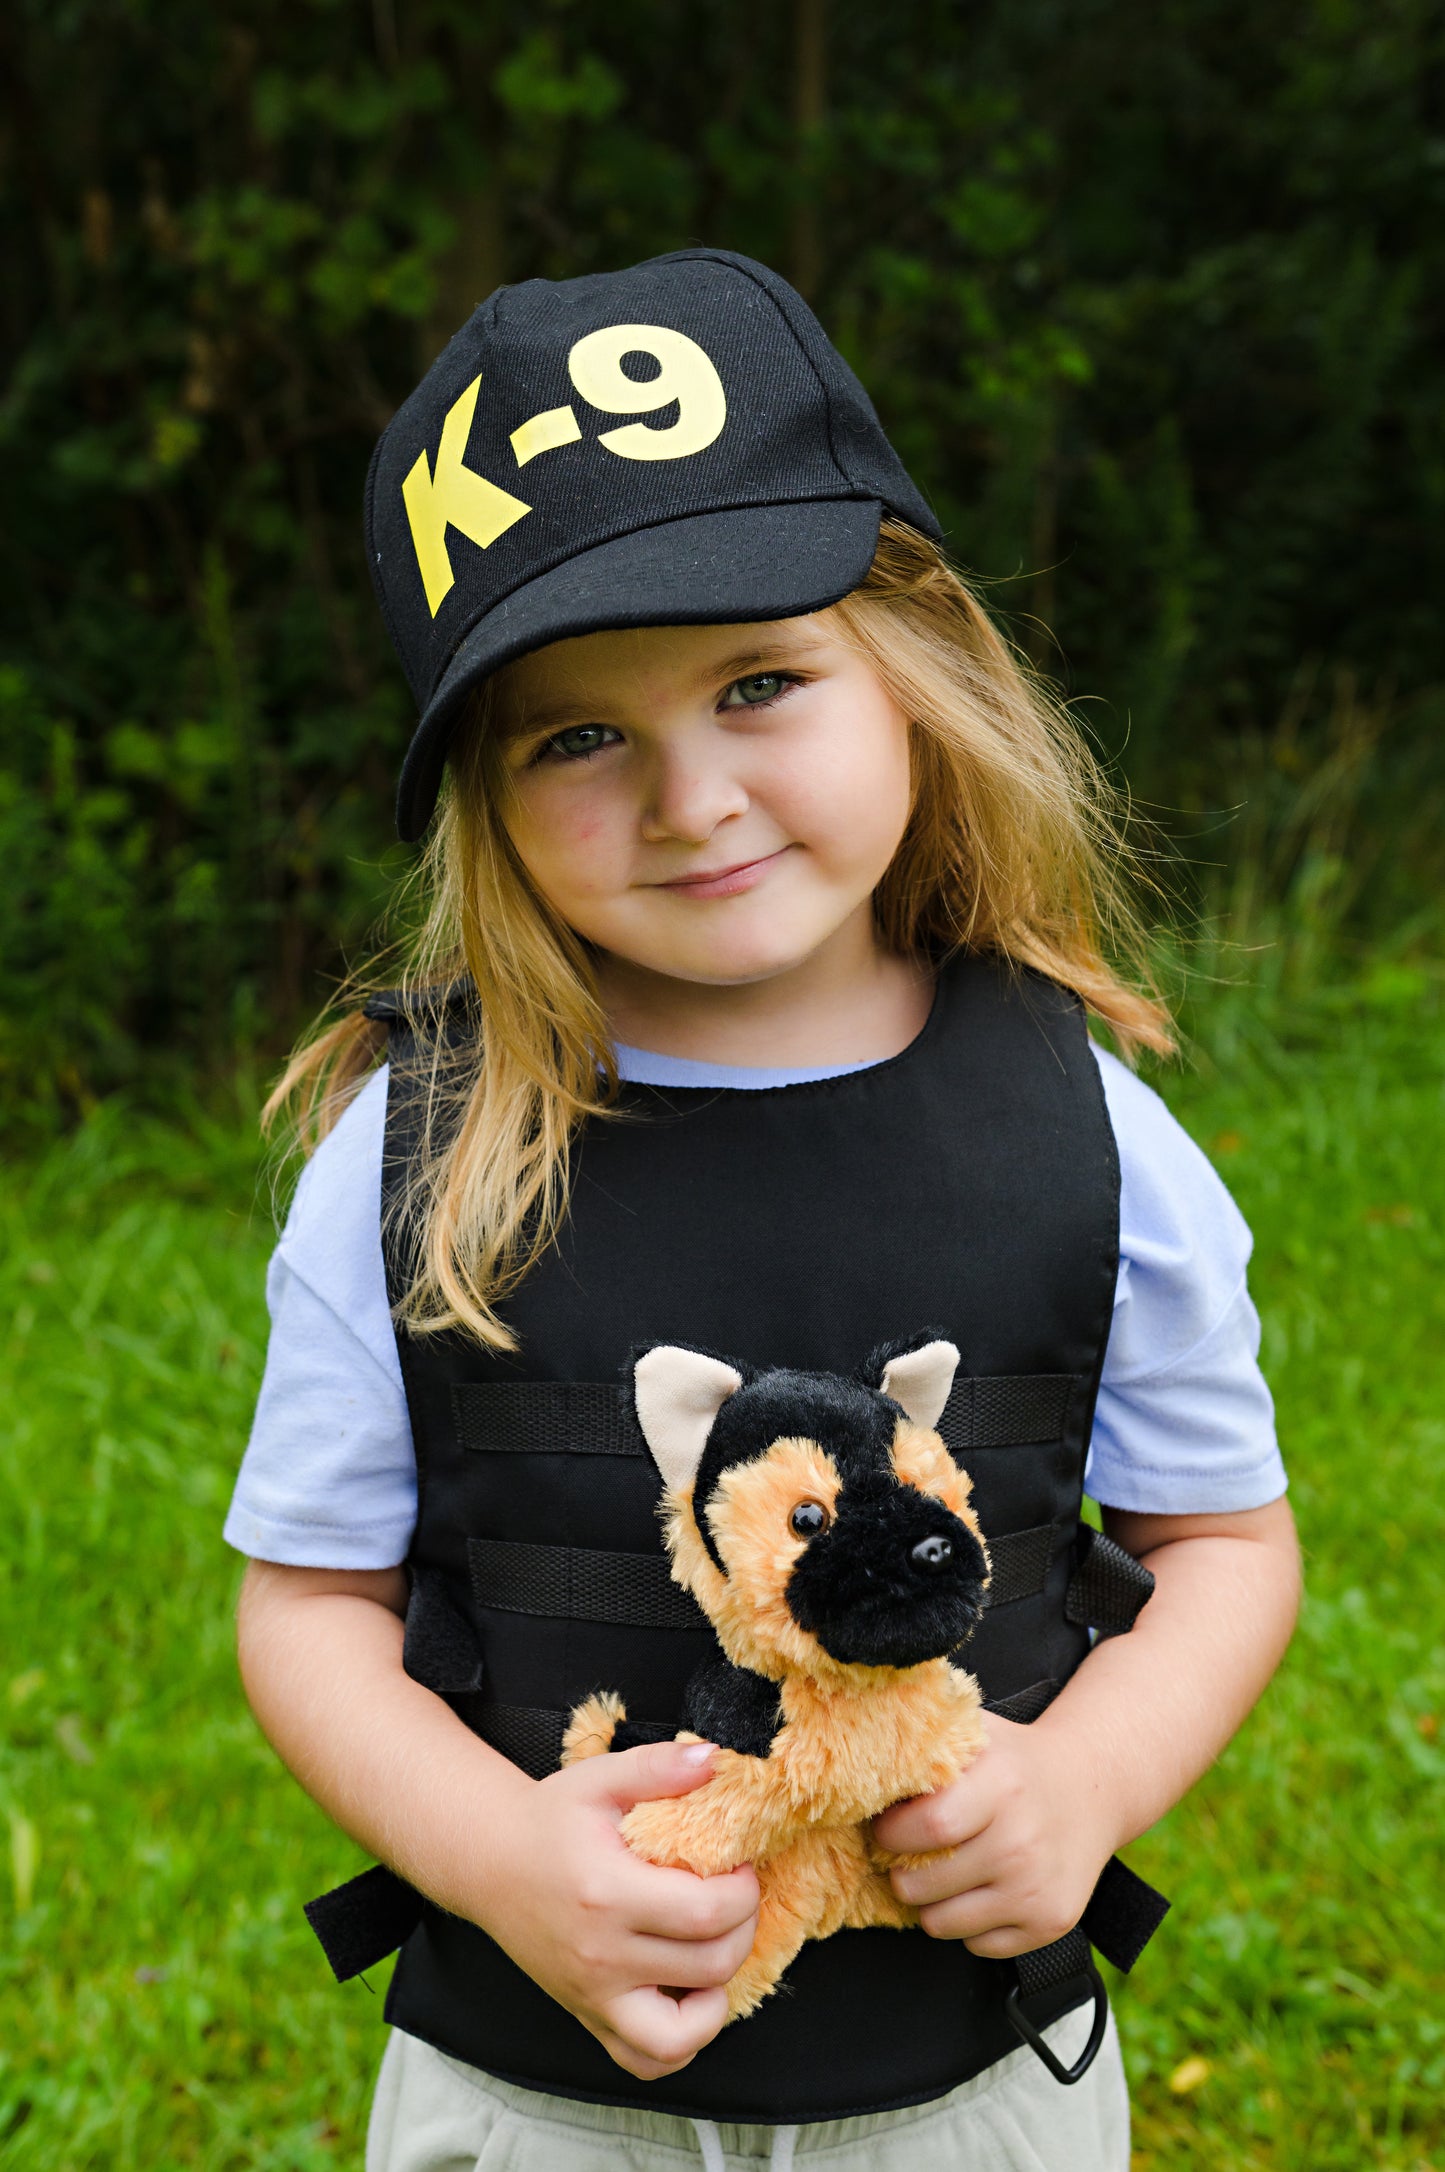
(1033,2037)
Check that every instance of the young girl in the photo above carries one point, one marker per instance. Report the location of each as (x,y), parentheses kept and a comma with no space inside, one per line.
(766,901)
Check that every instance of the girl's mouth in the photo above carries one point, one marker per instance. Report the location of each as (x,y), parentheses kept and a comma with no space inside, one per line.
(724,881)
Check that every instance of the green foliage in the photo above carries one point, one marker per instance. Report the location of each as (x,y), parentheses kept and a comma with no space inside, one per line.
(161,1999)
(1148,296)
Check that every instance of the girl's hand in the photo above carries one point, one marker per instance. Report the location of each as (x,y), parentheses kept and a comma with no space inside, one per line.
(1030,1825)
(640,1955)
(1023,1847)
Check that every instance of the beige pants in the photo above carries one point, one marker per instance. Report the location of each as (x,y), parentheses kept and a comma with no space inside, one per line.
(432,2114)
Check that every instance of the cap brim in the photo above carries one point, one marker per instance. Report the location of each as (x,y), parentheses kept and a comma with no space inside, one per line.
(747,563)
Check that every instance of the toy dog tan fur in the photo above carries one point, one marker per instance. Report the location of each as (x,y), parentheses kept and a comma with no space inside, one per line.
(826,1532)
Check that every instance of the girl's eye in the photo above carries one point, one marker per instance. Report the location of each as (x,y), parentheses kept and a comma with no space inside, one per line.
(808,1519)
(577,742)
(757,691)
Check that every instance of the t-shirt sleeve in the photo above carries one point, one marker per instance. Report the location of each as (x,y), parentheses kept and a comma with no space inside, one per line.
(1184,1423)
(328,1479)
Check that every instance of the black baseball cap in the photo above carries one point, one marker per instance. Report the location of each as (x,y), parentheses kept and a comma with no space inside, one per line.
(675,444)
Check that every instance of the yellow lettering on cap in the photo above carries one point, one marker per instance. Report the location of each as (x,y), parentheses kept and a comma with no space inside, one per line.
(453,496)
(544,433)
(684,374)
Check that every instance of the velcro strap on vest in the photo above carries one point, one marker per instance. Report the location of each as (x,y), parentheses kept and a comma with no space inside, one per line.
(440,1647)
(1123,1914)
(1109,1587)
(361,1922)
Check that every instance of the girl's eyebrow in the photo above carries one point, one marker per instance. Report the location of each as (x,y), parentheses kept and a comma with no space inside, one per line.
(563,709)
(751,662)
(551,716)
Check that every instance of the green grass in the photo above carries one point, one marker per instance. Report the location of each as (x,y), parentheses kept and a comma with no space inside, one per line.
(161,2001)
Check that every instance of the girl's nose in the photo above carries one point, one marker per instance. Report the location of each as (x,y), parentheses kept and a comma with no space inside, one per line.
(689,798)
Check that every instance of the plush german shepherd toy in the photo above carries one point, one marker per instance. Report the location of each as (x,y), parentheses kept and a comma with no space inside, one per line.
(825,1530)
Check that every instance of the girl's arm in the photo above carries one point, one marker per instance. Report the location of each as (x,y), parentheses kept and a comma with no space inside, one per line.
(541,1865)
(1028,1828)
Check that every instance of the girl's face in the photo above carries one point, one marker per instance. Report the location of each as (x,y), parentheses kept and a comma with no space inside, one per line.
(716,804)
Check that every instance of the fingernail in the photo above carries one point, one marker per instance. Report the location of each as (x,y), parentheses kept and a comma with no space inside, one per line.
(699,1753)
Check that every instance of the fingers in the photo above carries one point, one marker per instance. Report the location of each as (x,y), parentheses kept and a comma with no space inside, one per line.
(992,1785)
(999,1924)
(939,1877)
(650,2033)
(1005,1943)
(673,1904)
(977,1918)
(693,1964)
(927,1822)
(655,1769)
(982,1896)
(974,1918)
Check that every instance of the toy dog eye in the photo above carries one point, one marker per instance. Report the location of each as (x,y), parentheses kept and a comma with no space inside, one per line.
(809,1518)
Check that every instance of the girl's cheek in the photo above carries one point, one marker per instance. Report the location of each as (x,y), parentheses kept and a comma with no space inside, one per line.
(586,830)
(847,807)
(573,848)
(560,821)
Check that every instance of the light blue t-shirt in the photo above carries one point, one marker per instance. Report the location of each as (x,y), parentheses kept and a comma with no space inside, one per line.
(1184,1422)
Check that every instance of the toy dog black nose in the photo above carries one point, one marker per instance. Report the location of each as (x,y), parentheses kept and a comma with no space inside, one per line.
(933,1553)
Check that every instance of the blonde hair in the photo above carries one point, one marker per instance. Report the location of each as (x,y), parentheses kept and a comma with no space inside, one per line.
(1015,845)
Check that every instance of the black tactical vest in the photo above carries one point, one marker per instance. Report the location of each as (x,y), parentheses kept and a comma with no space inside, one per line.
(970,1185)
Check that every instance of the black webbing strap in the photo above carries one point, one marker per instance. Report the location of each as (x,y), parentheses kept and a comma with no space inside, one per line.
(1109,1587)
(361,1922)
(592,1417)
(546,1417)
(529,1734)
(581,1583)
(1019,1564)
(1024,1705)
(1051,1982)
(636,1591)
(1006,1410)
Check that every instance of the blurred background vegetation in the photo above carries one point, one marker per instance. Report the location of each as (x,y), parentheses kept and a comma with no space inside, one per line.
(1150,293)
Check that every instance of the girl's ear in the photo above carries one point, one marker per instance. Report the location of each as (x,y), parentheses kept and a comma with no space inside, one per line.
(920,1380)
(677,1394)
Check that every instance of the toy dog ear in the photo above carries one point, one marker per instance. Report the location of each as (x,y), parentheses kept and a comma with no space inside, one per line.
(920,1380)
(677,1394)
